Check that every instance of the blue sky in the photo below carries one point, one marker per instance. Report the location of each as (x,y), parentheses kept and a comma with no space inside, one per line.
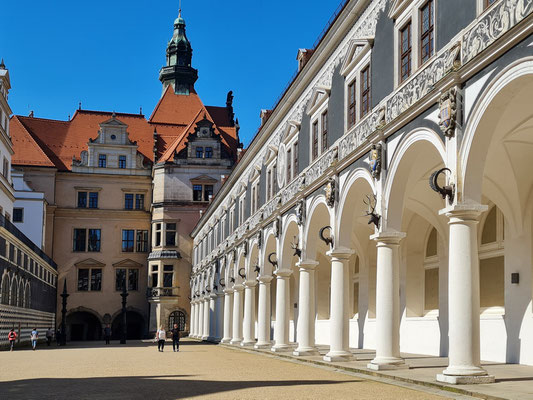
(107,54)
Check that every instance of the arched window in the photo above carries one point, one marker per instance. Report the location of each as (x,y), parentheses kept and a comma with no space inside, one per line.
(491,260)
(20,302)
(4,289)
(176,317)
(431,272)
(27,296)
(13,292)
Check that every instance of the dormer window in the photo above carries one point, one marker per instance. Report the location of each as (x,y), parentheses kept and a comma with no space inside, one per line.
(208,152)
(199,152)
(102,161)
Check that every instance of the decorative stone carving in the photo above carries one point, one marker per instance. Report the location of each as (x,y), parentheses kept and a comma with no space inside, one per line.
(277,227)
(375,160)
(300,212)
(448,114)
(500,19)
(245,248)
(259,239)
(331,192)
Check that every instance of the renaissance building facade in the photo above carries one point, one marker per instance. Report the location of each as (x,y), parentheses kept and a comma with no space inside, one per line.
(385,203)
(28,277)
(123,193)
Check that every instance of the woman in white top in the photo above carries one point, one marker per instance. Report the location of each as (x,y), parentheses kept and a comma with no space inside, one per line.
(161,336)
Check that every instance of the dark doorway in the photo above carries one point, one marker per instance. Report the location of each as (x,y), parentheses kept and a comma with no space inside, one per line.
(135,323)
(176,317)
(83,325)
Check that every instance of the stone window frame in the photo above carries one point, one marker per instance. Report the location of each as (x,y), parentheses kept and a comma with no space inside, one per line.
(430,262)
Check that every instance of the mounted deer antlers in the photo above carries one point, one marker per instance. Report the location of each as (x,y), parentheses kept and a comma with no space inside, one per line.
(294,246)
(327,240)
(374,217)
(222,282)
(243,274)
(273,262)
(444,191)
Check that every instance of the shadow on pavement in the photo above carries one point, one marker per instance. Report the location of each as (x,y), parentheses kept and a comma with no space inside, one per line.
(134,387)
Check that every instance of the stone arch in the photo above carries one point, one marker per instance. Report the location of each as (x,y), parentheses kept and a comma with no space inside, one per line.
(318,215)
(13,290)
(20,300)
(83,324)
(425,148)
(269,246)
(4,289)
(27,295)
(253,259)
(135,321)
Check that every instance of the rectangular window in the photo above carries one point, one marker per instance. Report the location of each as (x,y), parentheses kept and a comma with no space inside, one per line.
(128,201)
(142,241)
(158,234)
(82,199)
(405,52)
(295,155)
(120,278)
(365,91)
(208,192)
(18,214)
(132,278)
(93,199)
(351,104)
(139,201)
(208,152)
(83,279)
(199,152)
(168,275)
(197,192)
(122,161)
(426,31)
(128,240)
(89,279)
(170,235)
(80,238)
(96,279)
(289,162)
(5,171)
(155,275)
(315,140)
(102,161)
(94,240)
(268,185)
(324,130)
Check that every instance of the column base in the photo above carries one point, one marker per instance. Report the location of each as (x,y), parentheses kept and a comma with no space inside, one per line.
(205,337)
(235,341)
(305,351)
(387,363)
(465,379)
(281,348)
(225,340)
(263,345)
(338,356)
(213,339)
(247,343)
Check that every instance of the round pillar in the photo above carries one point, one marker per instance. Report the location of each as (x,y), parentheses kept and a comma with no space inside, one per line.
(263,314)
(281,327)
(249,314)
(228,313)
(237,314)
(307,313)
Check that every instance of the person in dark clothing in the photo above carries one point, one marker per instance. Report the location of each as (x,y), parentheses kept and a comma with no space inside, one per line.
(58,336)
(175,338)
(107,334)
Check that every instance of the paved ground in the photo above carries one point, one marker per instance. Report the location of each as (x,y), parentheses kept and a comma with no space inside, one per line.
(139,371)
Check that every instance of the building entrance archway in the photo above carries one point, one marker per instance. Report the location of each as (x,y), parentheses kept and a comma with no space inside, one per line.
(82,325)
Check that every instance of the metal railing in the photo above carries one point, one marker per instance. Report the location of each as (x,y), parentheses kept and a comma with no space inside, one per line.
(162,291)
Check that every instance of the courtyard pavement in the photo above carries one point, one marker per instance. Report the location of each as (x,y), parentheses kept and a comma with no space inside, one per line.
(138,371)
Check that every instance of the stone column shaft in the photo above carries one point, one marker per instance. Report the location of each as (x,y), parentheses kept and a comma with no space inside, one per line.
(200,319)
(307,310)
(263,314)
(249,314)
(281,327)
(237,314)
(228,313)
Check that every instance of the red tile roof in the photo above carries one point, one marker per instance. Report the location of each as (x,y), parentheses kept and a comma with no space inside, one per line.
(45,142)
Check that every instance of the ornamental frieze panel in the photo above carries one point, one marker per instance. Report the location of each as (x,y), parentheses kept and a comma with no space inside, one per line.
(290,192)
(500,19)
(321,165)
(359,134)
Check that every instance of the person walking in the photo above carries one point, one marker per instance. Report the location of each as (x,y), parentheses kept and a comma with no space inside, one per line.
(175,338)
(107,334)
(161,336)
(12,337)
(34,337)
(49,336)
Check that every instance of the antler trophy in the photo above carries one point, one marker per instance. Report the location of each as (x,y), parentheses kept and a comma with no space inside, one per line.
(294,246)
(444,191)
(273,262)
(374,217)
(328,240)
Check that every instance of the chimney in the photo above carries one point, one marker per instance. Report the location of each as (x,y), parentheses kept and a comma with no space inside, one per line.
(31,114)
(265,114)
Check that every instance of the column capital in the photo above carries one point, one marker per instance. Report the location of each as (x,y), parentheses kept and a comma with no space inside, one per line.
(388,237)
(238,287)
(213,296)
(307,264)
(464,211)
(228,291)
(265,278)
(283,273)
(250,283)
(342,253)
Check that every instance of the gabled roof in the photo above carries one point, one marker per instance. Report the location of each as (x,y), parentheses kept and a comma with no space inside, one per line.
(29,152)
(176,109)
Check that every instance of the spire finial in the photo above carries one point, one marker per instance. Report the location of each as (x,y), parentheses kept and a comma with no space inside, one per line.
(2,65)
(179,10)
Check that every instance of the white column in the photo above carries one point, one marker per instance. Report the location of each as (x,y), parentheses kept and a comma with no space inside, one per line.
(196,323)
(192,319)
(281,327)
(237,314)
(339,349)
(249,313)
(307,311)
(207,325)
(228,312)
(263,313)
(200,319)
(463,297)
(219,313)
(388,302)
(212,316)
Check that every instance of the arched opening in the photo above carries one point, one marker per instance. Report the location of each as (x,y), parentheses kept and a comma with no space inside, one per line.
(27,296)
(177,317)
(83,325)
(14,292)
(291,239)
(4,288)
(20,302)
(134,323)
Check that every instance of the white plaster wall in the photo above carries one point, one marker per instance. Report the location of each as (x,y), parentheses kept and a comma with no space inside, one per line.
(322,331)
(420,335)
(493,338)
(33,219)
